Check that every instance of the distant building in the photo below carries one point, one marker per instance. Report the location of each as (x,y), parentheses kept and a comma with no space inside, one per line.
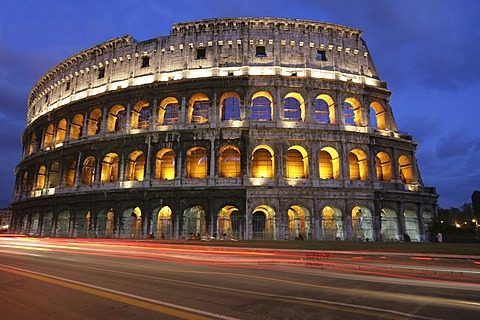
(5,219)
(247,128)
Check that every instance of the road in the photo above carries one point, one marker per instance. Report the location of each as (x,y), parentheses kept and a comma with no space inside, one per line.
(111,279)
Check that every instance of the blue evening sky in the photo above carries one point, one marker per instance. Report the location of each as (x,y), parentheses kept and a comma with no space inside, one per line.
(428,52)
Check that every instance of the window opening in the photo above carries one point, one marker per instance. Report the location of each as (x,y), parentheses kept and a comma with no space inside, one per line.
(171,114)
(200,112)
(321,56)
(101,73)
(292,109)
(201,53)
(260,51)
(67,87)
(349,114)
(231,109)
(145,62)
(261,109)
(322,114)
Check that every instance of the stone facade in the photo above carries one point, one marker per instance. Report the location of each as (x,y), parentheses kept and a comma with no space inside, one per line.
(249,128)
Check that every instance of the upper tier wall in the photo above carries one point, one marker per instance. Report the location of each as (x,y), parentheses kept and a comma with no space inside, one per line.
(209,48)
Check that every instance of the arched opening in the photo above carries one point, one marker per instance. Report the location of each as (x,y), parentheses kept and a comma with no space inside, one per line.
(61,131)
(94,122)
(41,178)
(358,165)
(88,170)
(230,223)
(294,107)
(352,112)
(197,163)
(263,223)
(377,116)
(406,170)
(117,119)
(69,173)
(389,225)
(164,223)
(132,219)
(169,111)
(230,106)
(362,224)
(76,127)
(83,224)
(383,166)
(229,162)
(329,163)
(298,223)
(198,109)
(262,106)
(332,224)
(31,146)
(47,224)
(165,165)
(141,114)
(106,224)
(296,163)
(411,224)
(63,224)
(194,223)
(262,162)
(53,175)
(110,165)
(324,109)
(48,138)
(135,166)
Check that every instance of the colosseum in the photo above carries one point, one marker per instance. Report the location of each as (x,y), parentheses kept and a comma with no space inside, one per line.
(245,128)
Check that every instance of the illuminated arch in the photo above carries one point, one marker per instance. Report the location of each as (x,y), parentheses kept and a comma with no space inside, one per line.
(135,166)
(31,146)
(296,162)
(132,223)
(329,163)
(263,162)
(94,122)
(198,109)
(263,223)
(324,109)
(88,170)
(378,115)
(48,137)
(197,163)
(389,225)
(358,165)
(69,173)
(194,222)
(411,224)
(294,107)
(165,164)
(110,166)
(61,131)
(332,223)
(116,119)
(362,224)
(352,112)
(76,127)
(406,169)
(164,223)
(262,106)
(298,222)
(229,162)
(383,165)
(230,106)
(53,175)
(141,114)
(230,223)
(169,112)
(41,175)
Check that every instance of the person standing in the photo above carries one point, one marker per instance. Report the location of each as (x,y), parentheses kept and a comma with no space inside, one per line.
(439,237)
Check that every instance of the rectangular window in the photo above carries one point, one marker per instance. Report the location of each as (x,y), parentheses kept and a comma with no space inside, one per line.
(101,73)
(145,62)
(260,51)
(201,53)
(67,87)
(321,55)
